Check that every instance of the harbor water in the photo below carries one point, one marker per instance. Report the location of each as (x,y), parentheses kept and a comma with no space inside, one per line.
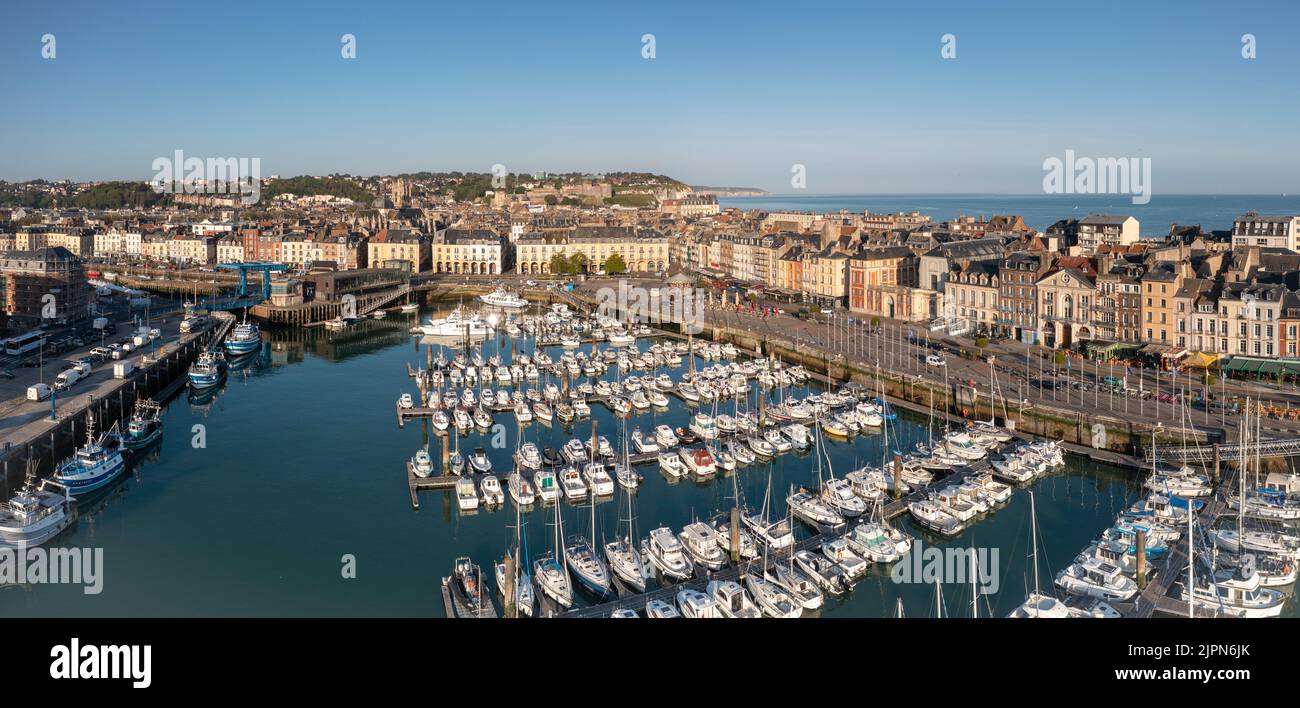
(262,497)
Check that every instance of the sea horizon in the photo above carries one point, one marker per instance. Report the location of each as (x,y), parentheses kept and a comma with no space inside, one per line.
(1211,211)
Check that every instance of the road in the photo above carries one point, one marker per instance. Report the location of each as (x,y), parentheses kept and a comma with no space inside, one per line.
(21,419)
(1024,373)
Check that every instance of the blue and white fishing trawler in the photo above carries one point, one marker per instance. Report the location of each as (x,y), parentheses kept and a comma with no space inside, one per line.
(246,338)
(94,464)
(145,426)
(208,370)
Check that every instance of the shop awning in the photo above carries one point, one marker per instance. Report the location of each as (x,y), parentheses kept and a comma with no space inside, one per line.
(1167,351)
(1200,360)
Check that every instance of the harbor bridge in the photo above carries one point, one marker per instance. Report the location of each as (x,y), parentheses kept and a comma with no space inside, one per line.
(242,297)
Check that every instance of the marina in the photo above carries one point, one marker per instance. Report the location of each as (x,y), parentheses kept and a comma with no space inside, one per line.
(1075,500)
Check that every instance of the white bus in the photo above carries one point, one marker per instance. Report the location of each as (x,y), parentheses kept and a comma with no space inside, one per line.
(24,344)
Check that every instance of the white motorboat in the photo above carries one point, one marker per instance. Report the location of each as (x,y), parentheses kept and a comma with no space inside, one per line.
(645,443)
(458,324)
(421,464)
(658,609)
(698,540)
(934,517)
(828,575)
(466,494)
(546,487)
(521,490)
(1094,578)
(504,299)
(839,494)
(696,605)
(665,437)
(572,484)
(798,586)
(698,461)
(812,510)
(490,487)
(839,551)
(598,479)
(771,598)
(670,463)
(872,541)
(667,554)
(732,600)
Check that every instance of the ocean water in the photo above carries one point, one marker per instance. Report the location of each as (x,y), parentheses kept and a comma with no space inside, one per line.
(1040,210)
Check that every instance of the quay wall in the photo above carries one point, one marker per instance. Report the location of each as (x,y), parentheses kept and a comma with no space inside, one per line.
(159,379)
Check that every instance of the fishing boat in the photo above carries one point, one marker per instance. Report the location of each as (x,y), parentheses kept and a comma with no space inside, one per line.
(839,494)
(245,338)
(94,465)
(667,554)
(208,370)
(145,426)
(37,512)
(871,541)
(466,591)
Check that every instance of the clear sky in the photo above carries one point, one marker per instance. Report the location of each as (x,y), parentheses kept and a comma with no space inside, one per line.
(737,93)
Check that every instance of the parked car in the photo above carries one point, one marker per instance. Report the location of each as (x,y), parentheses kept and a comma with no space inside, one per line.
(935,360)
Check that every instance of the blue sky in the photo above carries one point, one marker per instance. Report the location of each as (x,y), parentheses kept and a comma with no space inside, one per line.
(737,94)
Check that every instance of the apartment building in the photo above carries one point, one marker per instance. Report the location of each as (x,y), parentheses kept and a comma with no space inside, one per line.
(1096,229)
(27,277)
(972,293)
(474,251)
(409,245)
(1018,276)
(642,250)
(1252,229)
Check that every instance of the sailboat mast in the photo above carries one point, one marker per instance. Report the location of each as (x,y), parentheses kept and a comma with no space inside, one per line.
(1033,532)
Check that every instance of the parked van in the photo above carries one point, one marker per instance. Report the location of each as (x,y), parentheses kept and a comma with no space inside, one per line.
(66,379)
(38,392)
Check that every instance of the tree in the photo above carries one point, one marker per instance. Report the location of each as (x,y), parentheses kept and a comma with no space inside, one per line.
(551,200)
(615,264)
(559,264)
(982,342)
(578,263)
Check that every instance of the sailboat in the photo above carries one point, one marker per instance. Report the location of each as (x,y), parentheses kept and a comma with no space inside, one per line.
(622,554)
(1038,605)
(580,555)
(521,599)
(550,569)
